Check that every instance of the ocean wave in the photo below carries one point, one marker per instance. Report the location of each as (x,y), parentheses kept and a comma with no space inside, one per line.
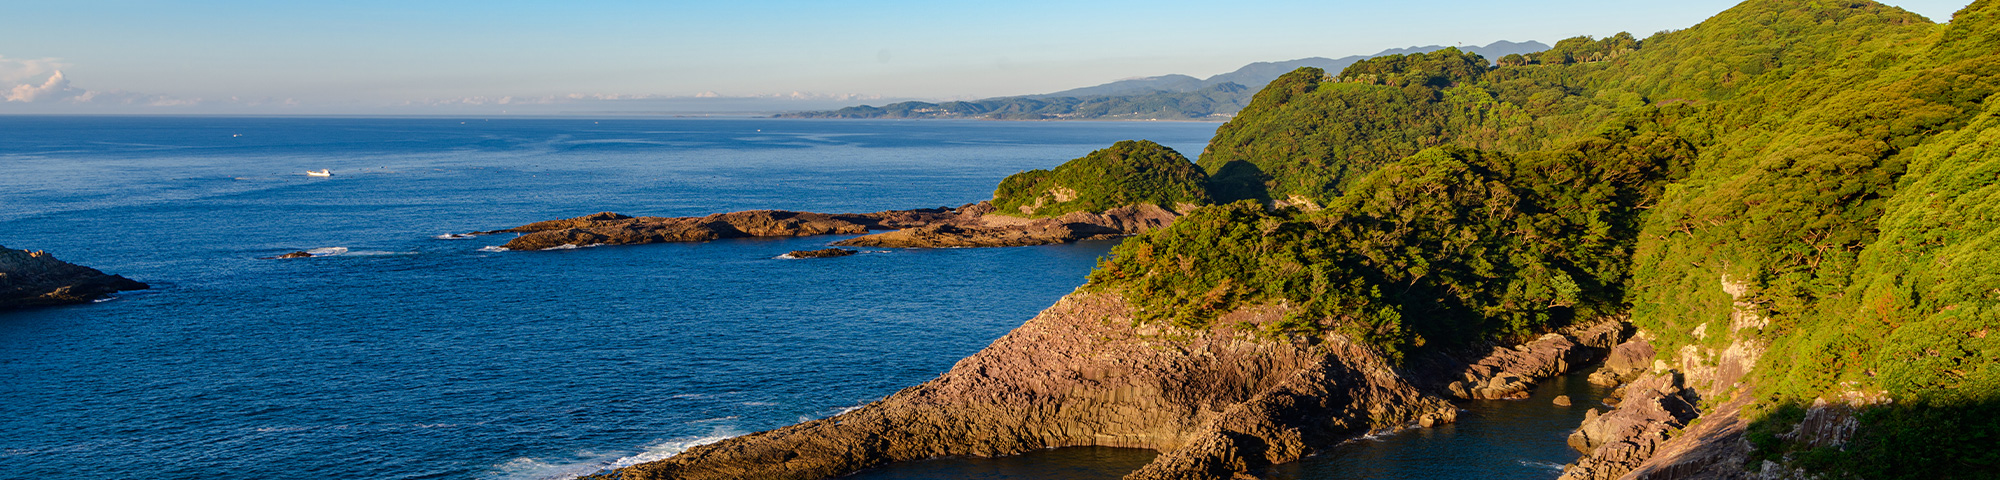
(345,252)
(493,248)
(1542,465)
(589,462)
(455,236)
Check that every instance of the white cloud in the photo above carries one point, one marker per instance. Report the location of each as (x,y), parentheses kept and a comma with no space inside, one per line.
(55,89)
(16,69)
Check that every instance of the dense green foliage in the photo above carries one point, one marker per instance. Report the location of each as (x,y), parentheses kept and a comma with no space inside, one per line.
(1832,162)
(1127,173)
(1447,245)
(1208,103)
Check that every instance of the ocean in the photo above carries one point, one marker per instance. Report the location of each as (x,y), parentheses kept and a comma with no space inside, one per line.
(402,354)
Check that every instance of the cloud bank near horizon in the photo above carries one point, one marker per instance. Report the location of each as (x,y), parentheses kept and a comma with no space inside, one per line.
(40,86)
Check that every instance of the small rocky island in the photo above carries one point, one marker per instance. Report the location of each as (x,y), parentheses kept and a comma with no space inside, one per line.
(36,278)
(821,253)
(1148,186)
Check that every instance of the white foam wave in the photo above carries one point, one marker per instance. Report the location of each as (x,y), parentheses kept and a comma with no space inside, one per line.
(455,236)
(1542,465)
(589,462)
(572,246)
(662,450)
(344,252)
(493,248)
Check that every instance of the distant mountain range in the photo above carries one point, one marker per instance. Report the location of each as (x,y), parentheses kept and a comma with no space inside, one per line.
(1165,97)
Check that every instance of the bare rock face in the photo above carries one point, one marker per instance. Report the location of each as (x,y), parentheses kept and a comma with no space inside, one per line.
(1630,441)
(36,278)
(1625,363)
(1619,440)
(982,230)
(613,229)
(1217,403)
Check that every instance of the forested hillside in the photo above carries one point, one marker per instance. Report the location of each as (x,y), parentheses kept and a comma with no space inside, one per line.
(1166,97)
(1831,164)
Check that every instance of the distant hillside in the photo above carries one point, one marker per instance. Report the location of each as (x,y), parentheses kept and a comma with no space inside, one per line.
(1165,97)
(1256,75)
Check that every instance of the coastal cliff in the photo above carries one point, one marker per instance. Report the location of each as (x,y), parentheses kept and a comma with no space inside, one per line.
(29,279)
(1792,204)
(1217,403)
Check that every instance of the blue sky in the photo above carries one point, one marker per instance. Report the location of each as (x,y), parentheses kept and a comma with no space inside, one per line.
(360,55)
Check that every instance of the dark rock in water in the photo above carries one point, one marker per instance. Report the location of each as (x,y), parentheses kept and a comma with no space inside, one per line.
(36,278)
(290,255)
(821,253)
(1562,400)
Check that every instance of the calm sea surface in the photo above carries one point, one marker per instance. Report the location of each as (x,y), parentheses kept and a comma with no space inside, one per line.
(404,355)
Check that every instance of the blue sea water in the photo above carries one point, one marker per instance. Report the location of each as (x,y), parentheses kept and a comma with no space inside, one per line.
(403,355)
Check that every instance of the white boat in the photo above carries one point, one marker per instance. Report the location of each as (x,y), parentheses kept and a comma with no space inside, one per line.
(321,173)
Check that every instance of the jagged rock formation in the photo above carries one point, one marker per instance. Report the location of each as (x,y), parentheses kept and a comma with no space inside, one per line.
(608,228)
(821,253)
(1635,439)
(966,226)
(36,278)
(1218,403)
(982,230)
(1511,372)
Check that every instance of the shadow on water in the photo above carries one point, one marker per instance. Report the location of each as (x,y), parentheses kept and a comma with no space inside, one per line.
(1078,463)
(1496,439)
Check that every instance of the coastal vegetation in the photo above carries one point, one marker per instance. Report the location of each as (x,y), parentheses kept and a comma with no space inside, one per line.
(1127,173)
(1825,166)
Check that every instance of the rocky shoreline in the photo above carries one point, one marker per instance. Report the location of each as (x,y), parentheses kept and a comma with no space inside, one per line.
(36,278)
(1226,402)
(970,225)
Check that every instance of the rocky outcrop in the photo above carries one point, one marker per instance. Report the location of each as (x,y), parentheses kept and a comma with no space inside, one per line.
(1218,403)
(821,253)
(613,229)
(1508,373)
(1625,363)
(1617,441)
(36,278)
(982,230)
(965,226)
(1642,437)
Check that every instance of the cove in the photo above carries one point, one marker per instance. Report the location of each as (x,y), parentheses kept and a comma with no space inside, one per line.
(1497,439)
